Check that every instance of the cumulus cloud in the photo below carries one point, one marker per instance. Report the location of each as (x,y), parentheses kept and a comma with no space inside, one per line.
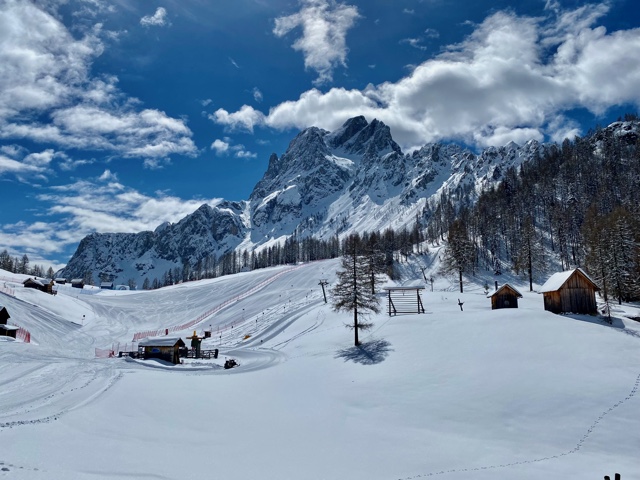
(244,119)
(324,25)
(224,147)
(48,94)
(220,146)
(158,19)
(513,78)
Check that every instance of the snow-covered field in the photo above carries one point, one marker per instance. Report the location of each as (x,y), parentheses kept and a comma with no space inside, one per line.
(473,394)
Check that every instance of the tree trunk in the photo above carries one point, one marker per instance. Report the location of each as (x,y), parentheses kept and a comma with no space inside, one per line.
(460,278)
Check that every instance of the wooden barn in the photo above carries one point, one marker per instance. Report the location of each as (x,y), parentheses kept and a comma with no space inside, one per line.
(163,348)
(77,283)
(60,281)
(6,330)
(35,283)
(505,296)
(570,292)
(106,286)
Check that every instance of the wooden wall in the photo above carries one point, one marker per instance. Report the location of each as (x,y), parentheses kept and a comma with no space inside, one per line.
(577,295)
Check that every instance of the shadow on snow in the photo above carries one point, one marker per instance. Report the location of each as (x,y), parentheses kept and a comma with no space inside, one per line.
(367,353)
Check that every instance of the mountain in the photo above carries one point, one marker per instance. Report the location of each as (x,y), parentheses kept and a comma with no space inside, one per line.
(354,179)
(123,256)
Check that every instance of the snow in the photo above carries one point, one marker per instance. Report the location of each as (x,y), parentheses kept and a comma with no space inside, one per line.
(474,394)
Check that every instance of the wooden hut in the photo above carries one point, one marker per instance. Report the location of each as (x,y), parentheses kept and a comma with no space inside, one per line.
(77,283)
(106,286)
(163,348)
(504,297)
(570,292)
(35,283)
(61,281)
(6,330)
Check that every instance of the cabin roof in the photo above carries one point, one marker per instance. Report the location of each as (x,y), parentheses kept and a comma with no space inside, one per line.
(33,280)
(9,327)
(557,280)
(160,342)
(505,286)
(77,280)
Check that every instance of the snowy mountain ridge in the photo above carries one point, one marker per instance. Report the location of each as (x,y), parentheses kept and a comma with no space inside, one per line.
(354,179)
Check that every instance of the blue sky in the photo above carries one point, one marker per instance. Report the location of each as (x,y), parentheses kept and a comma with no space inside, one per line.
(116,116)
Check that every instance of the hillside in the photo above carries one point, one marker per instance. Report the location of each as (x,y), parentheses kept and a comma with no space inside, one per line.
(473,394)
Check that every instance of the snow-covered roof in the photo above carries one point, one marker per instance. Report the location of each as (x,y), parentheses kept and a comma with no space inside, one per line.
(9,327)
(495,292)
(557,280)
(159,342)
(33,280)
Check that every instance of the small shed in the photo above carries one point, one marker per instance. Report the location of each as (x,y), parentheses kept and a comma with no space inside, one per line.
(106,286)
(163,348)
(505,296)
(6,330)
(60,281)
(570,292)
(35,283)
(77,283)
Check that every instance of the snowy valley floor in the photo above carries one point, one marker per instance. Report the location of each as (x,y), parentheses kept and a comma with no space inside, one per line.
(473,394)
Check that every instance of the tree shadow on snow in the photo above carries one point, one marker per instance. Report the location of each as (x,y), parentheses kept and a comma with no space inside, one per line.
(367,353)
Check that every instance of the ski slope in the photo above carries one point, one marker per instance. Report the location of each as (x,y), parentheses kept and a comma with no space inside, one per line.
(473,394)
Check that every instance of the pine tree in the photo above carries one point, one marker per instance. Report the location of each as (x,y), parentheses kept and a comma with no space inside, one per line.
(352,292)
(460,252)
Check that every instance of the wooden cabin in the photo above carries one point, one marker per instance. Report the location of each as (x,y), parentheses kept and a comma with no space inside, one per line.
(570,292)
(106,286)
(61,281)
(77,283)
(6,330)
(504,297)
(163,348)
(35,283)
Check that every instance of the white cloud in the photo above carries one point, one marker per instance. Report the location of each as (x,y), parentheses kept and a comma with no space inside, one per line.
(47,92)
(257,94)
(510,79)
(431,33)
(158,19)
(224,147)
(220,146)
(324,25)
(409,11)
(414,42)
(100,205)
(108,175)
(240,152)
(244,119)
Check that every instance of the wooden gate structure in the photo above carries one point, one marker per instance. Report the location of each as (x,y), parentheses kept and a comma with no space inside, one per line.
(404,300)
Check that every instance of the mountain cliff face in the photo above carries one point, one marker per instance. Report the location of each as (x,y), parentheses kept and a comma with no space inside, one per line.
(354,179)
(123,256)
